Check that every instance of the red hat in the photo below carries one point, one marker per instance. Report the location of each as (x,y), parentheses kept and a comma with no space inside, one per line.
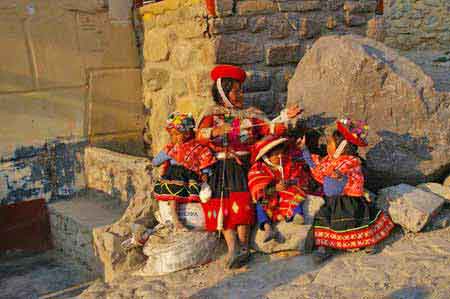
(228,71)
(354,132)
(263,146)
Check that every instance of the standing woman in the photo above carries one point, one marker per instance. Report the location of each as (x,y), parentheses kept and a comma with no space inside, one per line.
(230,131)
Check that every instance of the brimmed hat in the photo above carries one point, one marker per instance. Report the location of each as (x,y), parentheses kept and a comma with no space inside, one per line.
(228,71)
(263,146)
(354,132)
(180,121)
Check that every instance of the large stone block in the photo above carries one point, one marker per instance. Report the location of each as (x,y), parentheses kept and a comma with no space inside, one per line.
(231,24)
(104,44)
(56,50)
(279,27)
(283,53)
(301,6)
(231,50)
(282,78)
(90,6)
(309,28)
(390,93)
(155,78)
(257,81)
(115,101)
(262,100)
(354,20)
(408,206)
(15,67)
(37,117)
(294,236)
(157,47)
(256,7)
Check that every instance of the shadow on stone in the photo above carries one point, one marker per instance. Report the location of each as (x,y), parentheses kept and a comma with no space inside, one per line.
(419,292)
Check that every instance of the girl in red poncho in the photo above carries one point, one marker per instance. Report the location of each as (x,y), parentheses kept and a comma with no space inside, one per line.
(347,221)
(230,131)
(186,163)
(278,185)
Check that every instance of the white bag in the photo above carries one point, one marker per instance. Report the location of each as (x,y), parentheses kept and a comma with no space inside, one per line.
(205,193)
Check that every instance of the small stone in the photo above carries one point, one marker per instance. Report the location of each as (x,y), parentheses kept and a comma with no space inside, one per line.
(283,53)
(410,207)
(438,189)
(354,20)
(257,81)
(256,7)
(309,28)
(376,29)
(301,6)
(226,25)
(331,23)
(230,50)
(155,78)
(224,7)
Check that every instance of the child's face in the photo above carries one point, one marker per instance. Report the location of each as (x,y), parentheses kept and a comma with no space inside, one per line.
(176,136)
(235,95)
(275,156)
(331,146)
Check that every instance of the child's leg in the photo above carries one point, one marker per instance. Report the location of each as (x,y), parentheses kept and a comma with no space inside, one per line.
(174,213)
(231,240)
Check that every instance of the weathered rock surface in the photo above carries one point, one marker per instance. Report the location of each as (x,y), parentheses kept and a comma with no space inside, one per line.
(363,79)
(438,189)
(408,206)
(413,267)
(311,206)
(294,237)
(447,182)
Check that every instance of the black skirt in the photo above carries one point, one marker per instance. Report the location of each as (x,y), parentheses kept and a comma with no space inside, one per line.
(178,183)
(235,177)
(346,222)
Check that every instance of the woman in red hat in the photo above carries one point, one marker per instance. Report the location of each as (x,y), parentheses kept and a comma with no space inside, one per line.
(347,221)
(230,130)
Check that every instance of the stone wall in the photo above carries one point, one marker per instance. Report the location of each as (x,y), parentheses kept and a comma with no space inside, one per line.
(417,24)
(69,74)
(267,38)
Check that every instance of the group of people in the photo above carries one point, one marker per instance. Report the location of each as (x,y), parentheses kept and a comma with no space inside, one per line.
(246,170)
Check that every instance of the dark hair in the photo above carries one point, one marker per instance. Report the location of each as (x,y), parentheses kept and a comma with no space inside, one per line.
(227,86)
(279,147)
(350,149)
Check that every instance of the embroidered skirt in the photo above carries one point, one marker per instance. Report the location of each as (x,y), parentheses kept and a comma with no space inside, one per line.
(228,182)
(346,222)
(178,183)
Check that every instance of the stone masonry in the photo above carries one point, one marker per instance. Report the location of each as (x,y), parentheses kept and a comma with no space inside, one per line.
(267,38)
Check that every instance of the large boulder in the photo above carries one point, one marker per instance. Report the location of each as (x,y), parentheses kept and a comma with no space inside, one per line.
(363,79)
(442,191)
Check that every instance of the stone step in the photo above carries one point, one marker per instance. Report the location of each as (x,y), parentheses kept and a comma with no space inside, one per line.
(73,220)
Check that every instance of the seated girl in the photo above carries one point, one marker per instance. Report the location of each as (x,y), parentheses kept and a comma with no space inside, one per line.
(347,221)
(185,164)
(277,184)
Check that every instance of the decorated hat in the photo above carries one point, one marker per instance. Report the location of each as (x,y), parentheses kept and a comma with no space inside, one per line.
(228,71)
(354,132)
(180,121)
(263,146)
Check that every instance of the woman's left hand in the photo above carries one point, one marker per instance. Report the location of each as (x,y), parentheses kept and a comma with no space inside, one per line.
(294,111)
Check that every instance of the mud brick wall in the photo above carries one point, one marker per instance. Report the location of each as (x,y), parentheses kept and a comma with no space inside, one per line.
(267,38)
(417,24)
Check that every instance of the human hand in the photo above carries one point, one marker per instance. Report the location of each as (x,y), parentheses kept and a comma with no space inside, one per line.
(294,111)
(222,130)
(280,187)
(301,142)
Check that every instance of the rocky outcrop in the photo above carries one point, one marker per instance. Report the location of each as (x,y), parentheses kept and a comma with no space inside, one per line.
(363,79)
